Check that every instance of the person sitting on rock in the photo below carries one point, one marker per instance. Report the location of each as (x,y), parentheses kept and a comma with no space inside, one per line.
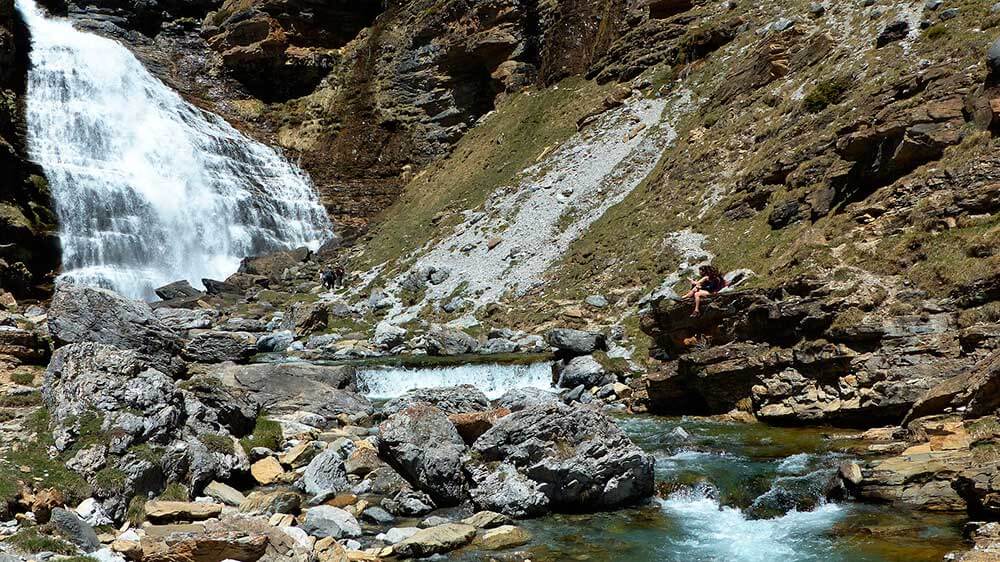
(711,282)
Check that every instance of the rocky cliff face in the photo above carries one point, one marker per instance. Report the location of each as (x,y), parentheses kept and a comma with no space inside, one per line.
(29,251)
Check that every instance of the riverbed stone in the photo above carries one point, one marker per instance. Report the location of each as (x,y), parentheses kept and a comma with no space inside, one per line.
(404,439)
(328,521)
(325,474)
(503,537)
(224,493)
(576,455)
(436,540)
(517,399)
(572,342)
(88,314)
(449,399)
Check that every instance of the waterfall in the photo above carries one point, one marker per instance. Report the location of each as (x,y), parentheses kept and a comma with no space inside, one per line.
(493,379)
(148,188)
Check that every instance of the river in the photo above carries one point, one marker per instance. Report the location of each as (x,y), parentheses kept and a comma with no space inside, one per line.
(732,491)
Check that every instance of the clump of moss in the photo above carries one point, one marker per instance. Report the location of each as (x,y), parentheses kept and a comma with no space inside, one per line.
(266,433)
(45,472)
(20,400)
(135,513)
(30,540)
(217,443)
(826,93)
(175,492)
(936,32)
(23,378)
(110,480)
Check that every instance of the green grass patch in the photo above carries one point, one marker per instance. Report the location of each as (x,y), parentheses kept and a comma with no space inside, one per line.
(20,400)
(826,93)
(110,480)
(220,444)
(266,433)
(23,378)
(45,472)
(135,513)
(30,540)
(175,491)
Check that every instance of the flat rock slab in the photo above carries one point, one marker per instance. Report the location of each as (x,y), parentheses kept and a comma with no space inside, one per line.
(159,510)
(436,540)
(224,493)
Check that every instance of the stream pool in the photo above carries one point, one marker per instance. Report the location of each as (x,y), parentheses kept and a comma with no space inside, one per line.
(731,491)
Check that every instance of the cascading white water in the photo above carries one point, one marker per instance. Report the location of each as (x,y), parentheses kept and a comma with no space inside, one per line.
(148,188)
(492,379)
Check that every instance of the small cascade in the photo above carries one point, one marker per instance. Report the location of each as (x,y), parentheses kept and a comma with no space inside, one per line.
(710,531)
(148,188)
(493,379)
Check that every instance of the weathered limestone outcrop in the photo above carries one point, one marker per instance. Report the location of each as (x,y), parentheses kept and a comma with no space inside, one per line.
(801,355)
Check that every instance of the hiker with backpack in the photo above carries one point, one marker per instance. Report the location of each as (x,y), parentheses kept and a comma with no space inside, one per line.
(710,283)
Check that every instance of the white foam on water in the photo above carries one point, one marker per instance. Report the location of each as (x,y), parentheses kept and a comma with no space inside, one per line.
(714,532)
(148,188)
(382,383)
(794,464)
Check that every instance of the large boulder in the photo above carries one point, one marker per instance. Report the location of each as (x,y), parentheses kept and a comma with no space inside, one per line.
(517,399)
(325,474)
(219,347)
(177,290)
(285,388)
(328,521)
(87,314)
(130,400)
(583,370)
(578,457)
(571,342)
(443,341)
(427,449)
(435,540)
(450,399)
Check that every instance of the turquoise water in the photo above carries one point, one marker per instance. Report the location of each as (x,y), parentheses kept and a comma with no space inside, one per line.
(729,492)
(721,473)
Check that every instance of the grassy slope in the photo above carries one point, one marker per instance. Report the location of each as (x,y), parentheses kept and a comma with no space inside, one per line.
(623,254)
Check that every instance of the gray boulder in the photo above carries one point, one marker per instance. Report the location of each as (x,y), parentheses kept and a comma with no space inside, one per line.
(450,399)
(993,56)
(181,320)
(583,370)
(578,457)
(427,449)
(286,388)
(135,403)
(328,521)
(87,314)
(505,490)
(517,399)
(276,342)
(243,325)
(443,341)
(212,406)
(325,474)
(571,342)
(409,503)
(177,290)
(497,345)
(218,347)
(75,530)
(596,301)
